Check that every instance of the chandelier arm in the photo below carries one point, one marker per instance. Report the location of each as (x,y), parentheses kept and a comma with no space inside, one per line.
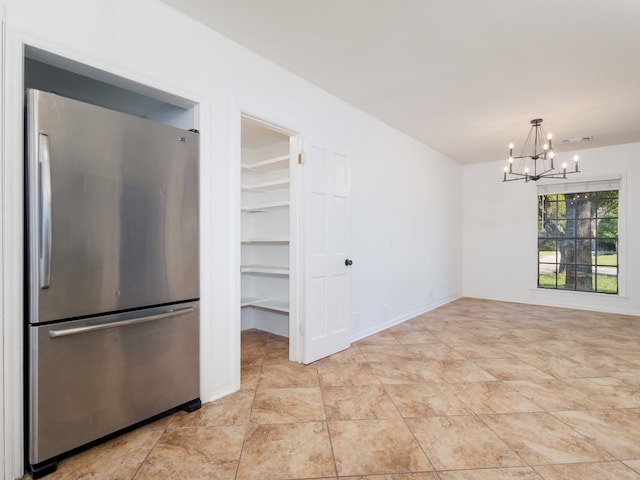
(547,171)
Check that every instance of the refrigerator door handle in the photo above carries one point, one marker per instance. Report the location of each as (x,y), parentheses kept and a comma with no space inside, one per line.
(45,210)
(117,324)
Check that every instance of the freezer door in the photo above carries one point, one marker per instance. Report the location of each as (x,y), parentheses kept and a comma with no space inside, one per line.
(90,378)
(112,210)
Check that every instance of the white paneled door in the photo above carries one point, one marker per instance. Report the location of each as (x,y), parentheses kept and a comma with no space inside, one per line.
(326,280)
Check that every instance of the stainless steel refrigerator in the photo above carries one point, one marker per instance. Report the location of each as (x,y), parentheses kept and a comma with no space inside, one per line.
(112,274)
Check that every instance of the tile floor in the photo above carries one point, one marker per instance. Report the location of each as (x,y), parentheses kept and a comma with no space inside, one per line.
(475,390)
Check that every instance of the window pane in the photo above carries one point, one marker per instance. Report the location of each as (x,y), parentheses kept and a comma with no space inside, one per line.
(608,194)
(567,250)
(607,284)
(605,246)
(584,278)
(547,280)
(585,228)
(585,208)
(561,228)
(550,208)
(547,247)
(562,209)
(608,227)
(546,228)
(608,204)
(583,251)
(567,278)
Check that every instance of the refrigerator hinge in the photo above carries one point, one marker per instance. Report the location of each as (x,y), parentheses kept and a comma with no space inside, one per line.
(300,158)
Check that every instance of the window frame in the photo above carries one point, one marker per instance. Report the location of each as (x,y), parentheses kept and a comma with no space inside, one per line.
(617,182)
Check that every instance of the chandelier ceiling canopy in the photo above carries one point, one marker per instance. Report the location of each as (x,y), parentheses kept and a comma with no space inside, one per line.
(537,159)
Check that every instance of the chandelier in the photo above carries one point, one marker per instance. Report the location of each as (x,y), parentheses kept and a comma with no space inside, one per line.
(537,158)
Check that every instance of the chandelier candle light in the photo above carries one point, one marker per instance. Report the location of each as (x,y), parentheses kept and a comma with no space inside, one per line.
(538,163)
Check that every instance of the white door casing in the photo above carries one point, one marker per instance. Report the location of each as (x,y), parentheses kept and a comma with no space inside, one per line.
(326,237)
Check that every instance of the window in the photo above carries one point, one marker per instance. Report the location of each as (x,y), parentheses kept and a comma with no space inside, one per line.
(578,241)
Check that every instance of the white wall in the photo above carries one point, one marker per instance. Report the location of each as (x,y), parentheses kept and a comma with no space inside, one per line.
(406,200)
(500,231)
(405,217)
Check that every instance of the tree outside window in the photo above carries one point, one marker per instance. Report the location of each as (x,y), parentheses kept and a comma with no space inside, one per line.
(578,241)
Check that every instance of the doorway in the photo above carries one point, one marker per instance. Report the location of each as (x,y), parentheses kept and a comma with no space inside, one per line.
(267,234)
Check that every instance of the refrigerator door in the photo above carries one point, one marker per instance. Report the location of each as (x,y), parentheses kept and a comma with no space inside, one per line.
(90,378)
(112,210)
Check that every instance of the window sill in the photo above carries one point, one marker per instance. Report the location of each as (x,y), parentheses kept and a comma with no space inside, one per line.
(564,293)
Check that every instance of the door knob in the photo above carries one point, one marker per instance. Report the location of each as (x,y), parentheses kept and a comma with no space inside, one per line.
(348,262)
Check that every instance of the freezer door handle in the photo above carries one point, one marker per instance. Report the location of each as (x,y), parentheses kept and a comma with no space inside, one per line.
(45,210)
(117,324)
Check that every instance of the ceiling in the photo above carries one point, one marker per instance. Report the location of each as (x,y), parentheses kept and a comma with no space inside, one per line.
(462,76)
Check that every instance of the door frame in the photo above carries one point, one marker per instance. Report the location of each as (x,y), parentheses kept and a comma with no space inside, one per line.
(273,122)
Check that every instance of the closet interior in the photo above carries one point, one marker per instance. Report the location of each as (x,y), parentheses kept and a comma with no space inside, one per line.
(265,227)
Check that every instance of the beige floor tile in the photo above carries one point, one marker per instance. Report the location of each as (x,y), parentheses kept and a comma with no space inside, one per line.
(386,353)
(418,337)
(277,342)
(574,349)
(344,357)
(607,392)
(249,377)
(433,351)
(481,350)
(461,442)
(117,459)
(633,464)
(457,336)
(286,451)
(561,367)
(364,447)
(195,453)
(539,438)
(534,334)
(457,371)
(276,354)
(510,369)
(230,410)
(552,395)
(287,405)
(493,397)
(381,338)
(403,372)
(288,375)
(513,473)
(528,348)
(252,356)
(616,431)
(353,373)
(426,400)
(359,402)
(396,476)
(633,357)
(599,471)
(607,364)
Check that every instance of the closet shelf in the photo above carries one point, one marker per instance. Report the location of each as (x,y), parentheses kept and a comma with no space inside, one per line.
(268,269)
(268,165)
(251,241)
(280,183)
(267,303)
(265,207)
